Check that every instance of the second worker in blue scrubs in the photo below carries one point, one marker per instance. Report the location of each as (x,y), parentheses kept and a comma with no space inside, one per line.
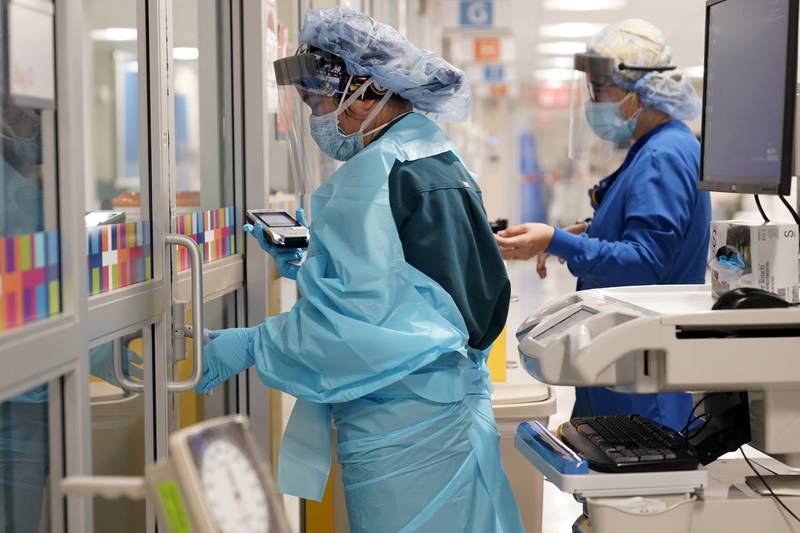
(651,224)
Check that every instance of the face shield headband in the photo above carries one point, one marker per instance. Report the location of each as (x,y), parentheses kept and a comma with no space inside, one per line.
(599,72)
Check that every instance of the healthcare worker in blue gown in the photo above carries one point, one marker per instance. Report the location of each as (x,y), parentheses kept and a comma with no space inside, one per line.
(403,292)
(651,224)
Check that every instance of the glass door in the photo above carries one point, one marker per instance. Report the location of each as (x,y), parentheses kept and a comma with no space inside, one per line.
(206,204)
(114,179)
(126,263)
(43,408)
(161,229)
(30,292)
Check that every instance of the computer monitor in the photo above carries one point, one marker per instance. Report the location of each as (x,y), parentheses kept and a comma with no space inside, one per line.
(749,96)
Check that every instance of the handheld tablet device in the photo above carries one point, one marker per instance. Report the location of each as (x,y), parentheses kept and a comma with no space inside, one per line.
(281,228)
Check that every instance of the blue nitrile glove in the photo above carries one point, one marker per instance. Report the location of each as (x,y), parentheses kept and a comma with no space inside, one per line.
(101,363)
(733,260)
(228,353)
(300,215)
(288,259)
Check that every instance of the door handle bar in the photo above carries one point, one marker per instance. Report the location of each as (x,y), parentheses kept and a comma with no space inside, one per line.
(124,381)
(196,263)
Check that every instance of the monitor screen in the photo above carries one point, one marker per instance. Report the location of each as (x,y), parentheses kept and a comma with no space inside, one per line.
(748,106)
(277,220)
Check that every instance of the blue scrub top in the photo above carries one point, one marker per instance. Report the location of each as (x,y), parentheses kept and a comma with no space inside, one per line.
(651,228)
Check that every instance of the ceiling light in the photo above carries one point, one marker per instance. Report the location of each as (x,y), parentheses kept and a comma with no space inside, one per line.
(561,48)
(114,34)
(559,62)
(554,74)
(584,5)
(696,72)
(570,30)
(185,53)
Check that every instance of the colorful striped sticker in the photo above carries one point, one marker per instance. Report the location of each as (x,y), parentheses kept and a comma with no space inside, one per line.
(119,255)
(214,231)
(30,278)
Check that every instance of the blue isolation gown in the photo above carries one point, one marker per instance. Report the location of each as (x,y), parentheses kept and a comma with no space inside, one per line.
(651,228)
(384,351)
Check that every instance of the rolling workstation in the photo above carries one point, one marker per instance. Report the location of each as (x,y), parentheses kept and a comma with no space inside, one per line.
(737,351)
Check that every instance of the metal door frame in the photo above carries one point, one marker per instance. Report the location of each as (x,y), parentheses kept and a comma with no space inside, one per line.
(226,275)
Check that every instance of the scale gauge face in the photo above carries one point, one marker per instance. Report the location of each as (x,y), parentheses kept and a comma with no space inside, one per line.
(231,483)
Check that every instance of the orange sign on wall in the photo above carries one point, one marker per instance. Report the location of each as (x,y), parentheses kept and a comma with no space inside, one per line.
(487,49)
(498,90)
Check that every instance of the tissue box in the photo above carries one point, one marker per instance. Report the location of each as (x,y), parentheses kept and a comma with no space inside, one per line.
(765,256)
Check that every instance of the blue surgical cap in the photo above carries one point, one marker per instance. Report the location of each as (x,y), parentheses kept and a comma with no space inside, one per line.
(371,48)
(638,43)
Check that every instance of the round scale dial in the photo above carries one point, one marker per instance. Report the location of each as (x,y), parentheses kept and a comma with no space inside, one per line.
(233,490)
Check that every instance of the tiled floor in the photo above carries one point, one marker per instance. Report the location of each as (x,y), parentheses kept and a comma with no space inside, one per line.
(528,294)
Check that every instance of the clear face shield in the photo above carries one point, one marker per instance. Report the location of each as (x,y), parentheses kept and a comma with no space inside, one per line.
(307,164)
(314,90)
(599,135)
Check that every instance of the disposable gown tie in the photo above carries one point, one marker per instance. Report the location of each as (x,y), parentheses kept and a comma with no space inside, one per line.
(381,348)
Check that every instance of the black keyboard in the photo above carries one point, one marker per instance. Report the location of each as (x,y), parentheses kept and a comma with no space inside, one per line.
(627,444)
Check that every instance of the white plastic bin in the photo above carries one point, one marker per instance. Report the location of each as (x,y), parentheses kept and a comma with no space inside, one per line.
(117,449)
(514,403)
(650,514)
